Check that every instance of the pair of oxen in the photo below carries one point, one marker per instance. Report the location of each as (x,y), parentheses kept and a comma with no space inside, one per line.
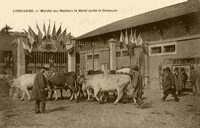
(122,81)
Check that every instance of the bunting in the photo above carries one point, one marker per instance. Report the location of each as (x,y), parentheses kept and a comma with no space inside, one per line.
(49,39)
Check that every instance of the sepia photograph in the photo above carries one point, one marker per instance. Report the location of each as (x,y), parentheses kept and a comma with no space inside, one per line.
(100,64)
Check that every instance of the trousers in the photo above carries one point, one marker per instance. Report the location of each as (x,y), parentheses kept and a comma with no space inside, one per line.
(40,106)
(173,92)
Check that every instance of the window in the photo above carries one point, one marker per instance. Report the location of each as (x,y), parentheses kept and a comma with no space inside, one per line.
(118,54)
(163,49)
(124,53)
(155,50)
(96,56)
(169,48)
(89,57)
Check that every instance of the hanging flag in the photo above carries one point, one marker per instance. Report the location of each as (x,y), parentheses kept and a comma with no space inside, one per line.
(49,31)
(58,32)
(131,45)
(126,38)
(135,38)
(45,31)
(39,34)
(32,37)
(131,40)
(61,37)
(26,46)
(121,40)
(139,40)
(68,44)
(32,33)
(54,35)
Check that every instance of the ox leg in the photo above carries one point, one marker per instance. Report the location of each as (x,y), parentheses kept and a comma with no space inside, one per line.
(23,95)
(10,92)
(56,95)
(134,101)
(27,93)
(52,91)
(72,96)
(120,94)
(96,91)
(88,94)
(61,93)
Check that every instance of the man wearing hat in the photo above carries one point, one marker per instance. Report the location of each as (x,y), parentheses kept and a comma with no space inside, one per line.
(193,80)
(40,90)
(168,85)
(178,80)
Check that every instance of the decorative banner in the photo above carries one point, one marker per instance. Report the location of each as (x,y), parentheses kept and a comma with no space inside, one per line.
(48,45)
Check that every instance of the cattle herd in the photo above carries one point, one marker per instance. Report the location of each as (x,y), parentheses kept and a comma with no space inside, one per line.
(120,83)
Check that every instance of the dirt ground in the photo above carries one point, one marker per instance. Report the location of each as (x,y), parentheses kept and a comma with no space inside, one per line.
(66,114)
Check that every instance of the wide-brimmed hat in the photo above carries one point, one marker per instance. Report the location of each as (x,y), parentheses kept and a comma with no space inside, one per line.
(46,67)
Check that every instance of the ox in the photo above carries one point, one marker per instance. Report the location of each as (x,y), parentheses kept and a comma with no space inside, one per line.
(108,83)
(61,80)
(24,82)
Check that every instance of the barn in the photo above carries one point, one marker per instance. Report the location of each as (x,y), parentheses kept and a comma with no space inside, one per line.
(171,36)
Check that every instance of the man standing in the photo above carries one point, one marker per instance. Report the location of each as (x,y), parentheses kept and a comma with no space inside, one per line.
(168,85)
(193,80)
(40,90)
(185,77)
(178,80)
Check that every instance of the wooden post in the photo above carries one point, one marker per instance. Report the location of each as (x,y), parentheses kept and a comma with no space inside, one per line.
(20,58)
(112,43)
(72,58)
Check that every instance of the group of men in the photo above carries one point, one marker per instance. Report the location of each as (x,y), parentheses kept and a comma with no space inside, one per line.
(175,83)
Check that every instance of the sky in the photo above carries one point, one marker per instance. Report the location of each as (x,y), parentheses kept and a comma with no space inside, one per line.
(78,23)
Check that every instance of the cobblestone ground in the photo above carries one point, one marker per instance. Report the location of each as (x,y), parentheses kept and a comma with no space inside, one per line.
(66,114)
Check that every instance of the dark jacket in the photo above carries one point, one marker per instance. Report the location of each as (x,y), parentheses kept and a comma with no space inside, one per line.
(193,76)
(178,80)
(168,82)
(38,91)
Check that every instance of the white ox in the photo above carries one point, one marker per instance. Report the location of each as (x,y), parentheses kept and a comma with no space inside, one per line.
(108,83)
(23,82)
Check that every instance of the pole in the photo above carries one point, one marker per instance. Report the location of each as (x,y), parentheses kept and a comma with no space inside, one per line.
(93,55)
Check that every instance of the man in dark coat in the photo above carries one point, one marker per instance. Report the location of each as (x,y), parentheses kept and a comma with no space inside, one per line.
(178,78)
(168,85)
(40,90)
(193,80)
